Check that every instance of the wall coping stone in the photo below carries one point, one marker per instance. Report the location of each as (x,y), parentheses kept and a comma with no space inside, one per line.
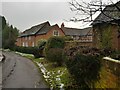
(110,59)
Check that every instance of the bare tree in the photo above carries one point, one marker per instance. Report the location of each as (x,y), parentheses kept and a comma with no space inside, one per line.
(88,10)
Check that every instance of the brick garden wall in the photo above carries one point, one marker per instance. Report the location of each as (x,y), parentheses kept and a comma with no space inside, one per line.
(110,74)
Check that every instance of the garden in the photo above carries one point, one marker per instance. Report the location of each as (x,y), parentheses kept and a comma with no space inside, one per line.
(65,66)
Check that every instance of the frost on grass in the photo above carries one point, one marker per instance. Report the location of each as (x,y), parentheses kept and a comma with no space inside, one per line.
(7,50)
(52,77)
(24,54)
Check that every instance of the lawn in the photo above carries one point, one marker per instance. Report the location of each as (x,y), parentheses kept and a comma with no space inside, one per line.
(57,77)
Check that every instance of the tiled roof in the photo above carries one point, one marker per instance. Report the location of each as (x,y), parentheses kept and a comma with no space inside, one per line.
(76,32)
(46,28)
(110,13)
(35,29)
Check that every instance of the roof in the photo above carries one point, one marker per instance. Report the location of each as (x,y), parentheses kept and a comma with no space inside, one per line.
(35,29)
(46,28)
(38,29)
(110,13)
(75,31)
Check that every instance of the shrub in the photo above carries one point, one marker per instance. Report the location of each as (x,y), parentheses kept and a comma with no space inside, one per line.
(54,48)
(41,46)
(84,68)
(55,55)
(68,38)
(55,42)
(29,50)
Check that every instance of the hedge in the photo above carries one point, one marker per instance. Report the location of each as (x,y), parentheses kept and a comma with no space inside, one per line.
(84,67)
(29,50)
(54,49)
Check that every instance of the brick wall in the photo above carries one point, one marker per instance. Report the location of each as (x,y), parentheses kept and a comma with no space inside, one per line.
(114,35)
(33,40)
(77,43)
(119,43)
(26,41)
(50,33)
(109,74)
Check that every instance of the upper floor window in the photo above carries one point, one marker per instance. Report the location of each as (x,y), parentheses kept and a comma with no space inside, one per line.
(55,33)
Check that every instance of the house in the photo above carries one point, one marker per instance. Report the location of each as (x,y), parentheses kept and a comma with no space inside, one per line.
(83,36)
(30,37)
(106,28)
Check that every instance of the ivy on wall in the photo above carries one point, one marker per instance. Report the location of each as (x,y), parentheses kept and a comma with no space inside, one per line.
(104,36)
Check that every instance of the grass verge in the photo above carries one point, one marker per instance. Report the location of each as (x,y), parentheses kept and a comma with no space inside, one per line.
(56,77)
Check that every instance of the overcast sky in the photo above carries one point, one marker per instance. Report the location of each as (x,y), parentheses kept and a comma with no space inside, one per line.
(24,14)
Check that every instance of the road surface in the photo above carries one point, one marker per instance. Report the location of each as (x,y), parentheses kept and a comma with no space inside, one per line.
(0,75)
(19,72)
(0,70)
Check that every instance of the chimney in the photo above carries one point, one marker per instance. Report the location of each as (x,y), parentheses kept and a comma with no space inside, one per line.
(62,25)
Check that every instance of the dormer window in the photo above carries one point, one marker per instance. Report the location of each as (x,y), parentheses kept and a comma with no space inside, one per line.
(55,33)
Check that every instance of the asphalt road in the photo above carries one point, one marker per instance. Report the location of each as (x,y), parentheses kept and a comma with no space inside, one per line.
(0,75)
(19,72)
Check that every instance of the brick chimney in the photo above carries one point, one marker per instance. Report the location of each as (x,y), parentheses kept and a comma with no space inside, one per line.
(62,25)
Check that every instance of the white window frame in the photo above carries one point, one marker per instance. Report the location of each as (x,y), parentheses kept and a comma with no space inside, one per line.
(29,37)
(26,44)
(23,44)
(33,44)
(54,33)
(26,38)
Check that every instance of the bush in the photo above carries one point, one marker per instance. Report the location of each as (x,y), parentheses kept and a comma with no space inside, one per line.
(55,42)
(84,68)
(55,55)
(54,48)
(68,38)
(28,50)
(41,46)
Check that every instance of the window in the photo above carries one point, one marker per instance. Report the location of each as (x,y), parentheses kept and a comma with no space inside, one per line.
(33,44)
(29,37)
(26,38)
(26,44)
(23,44)
(55,33)
(90,38)
(77,37)
(72,37)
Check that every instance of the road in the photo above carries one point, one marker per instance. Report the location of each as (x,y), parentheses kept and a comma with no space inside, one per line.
(20,72)
(0,70)
(0,76)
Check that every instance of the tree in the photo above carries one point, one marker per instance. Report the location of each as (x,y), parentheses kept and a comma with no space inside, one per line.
(88,10)
(9,35)
(2,26)
(54,49)
(109,15)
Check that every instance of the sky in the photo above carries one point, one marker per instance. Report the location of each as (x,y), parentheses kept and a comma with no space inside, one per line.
(24,14)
